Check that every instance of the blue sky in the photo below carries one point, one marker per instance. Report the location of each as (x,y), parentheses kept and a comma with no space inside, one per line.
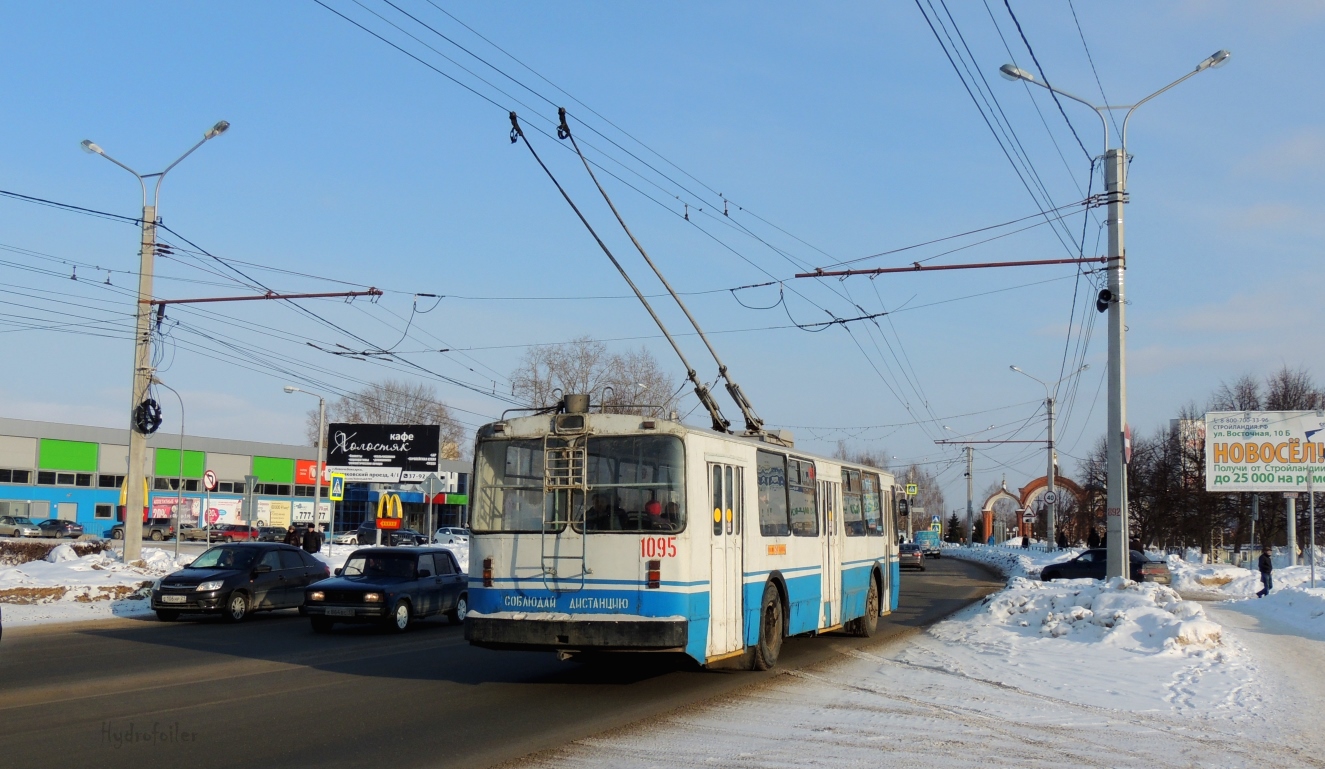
(842,124)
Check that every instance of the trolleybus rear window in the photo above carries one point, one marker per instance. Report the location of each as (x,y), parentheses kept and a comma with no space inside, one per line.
(631,484)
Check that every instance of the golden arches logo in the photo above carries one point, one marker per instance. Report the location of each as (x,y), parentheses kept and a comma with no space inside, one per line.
(389,506)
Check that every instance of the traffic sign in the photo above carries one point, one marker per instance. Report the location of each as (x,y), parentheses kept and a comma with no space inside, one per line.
(337,491)
(912,489)
(433,485)
(1050,497)
(209,481)
(1028,518)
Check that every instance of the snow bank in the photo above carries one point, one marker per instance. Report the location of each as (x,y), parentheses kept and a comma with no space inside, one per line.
(66,586)
(1145,618)
(1012,561)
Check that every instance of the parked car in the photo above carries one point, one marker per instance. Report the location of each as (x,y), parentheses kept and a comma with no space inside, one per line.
(18,526)
(911,556)
(366,535)
(1093,563)
(350,537)
(235,580)
(451,535)
(390,585)
(200,533)
(235,532)
(153,530)
(271,534)
(56,527)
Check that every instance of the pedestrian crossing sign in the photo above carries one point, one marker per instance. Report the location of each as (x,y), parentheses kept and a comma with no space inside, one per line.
(337,491)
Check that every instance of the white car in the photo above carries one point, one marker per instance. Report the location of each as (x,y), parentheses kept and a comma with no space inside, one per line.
(451,535)
(18,526)
(350,537)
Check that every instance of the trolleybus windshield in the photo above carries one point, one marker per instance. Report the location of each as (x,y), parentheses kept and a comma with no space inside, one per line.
(632,484)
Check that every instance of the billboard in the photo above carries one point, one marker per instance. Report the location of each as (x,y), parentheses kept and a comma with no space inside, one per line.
(383,453)
(302,511)
(305,470)
(1264,450)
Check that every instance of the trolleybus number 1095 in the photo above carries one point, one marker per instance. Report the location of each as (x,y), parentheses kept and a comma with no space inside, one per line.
(657,547)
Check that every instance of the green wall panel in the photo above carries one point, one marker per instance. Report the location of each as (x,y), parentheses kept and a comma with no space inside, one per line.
(273,470)
(67,455)
(167,463)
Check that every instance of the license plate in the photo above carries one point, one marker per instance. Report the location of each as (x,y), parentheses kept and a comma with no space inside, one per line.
(335,611)
(174,599)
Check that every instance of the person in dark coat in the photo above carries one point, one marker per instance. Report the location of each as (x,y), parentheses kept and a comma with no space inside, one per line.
(1267,569)
(292,537)
(1093,538)
(1062,540)
(1026,542)
(312,541)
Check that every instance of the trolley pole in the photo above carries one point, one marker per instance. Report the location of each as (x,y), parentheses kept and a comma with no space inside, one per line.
(970,521)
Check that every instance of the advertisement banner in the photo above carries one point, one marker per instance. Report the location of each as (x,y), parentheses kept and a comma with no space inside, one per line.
(303,511)
(383,453)
(305,470)
(273,512)
(226,510)
(1264,450)
(164,507)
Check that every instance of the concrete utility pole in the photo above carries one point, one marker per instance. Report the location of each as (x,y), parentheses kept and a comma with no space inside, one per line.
(1291,514)
(1050,495)
(1112,299)
(970,520)
(134,498)
(321,459)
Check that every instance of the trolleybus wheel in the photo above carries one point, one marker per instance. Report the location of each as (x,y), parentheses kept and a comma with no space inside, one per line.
(770,629)
(868,625)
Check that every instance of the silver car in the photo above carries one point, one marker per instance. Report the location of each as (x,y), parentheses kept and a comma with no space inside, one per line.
(18,526)
(451,535)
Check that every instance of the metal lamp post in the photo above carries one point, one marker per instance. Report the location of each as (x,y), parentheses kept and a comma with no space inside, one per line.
(134,500)
(1115,182)
(317,482)
(179,498)
(1050,496)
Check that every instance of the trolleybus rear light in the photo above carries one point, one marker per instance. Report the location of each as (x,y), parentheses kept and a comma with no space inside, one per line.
(653,576)
(487,572)
(648,424)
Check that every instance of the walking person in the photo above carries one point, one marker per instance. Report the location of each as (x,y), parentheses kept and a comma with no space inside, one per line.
(1093,538)
(1267,573)
(292,537)
(1062,540)
(1026,542)
(312,540)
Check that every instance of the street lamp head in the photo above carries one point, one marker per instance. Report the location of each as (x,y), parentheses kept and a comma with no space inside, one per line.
(1014,368)
(1010,72)
(1217,59)
(91,148)
(291,389)
(221,127)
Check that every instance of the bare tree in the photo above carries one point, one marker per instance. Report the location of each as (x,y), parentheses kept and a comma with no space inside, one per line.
(1244,394)
(394,401)
(1289,390)
(622,382)
(872,457)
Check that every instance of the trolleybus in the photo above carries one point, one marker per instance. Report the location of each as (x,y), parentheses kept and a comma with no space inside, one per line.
(601,532)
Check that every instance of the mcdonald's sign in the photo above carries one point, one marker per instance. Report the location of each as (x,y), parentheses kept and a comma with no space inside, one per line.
(390,512)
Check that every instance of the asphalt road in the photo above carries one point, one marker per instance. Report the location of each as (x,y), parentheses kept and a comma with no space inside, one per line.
(269,692)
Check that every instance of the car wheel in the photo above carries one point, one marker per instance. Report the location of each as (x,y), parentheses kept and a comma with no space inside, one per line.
(167,615)
(461,610)
(117,534)
(770,629)
(868,625)
(399,620)
(236,607)
(922,567)
(156,536)
(322,624)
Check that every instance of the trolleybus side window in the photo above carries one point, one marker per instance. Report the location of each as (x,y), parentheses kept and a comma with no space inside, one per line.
(872,504)
(852,513)
(635,484)
(772,475)
(510,481)
(801,498)
(718,507)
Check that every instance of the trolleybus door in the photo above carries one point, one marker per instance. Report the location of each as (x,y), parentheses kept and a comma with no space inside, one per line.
(832,553)
(726,497)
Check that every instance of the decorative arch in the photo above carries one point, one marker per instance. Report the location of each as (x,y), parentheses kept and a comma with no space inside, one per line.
(1033,491)
(987,510)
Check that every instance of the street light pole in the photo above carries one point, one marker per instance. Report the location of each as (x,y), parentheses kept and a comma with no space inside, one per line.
(970,521)
(1115,182)
(179,496)
(139,418)
(321,461)
(1050,495)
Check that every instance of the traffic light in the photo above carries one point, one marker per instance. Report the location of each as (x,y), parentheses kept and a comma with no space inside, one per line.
(904,507)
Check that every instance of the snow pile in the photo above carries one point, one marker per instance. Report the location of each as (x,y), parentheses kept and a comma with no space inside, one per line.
(1221,580)
(1145,618)
(1012,561)
(66,586)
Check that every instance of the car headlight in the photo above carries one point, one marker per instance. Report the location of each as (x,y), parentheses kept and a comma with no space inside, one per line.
(157,585)
(317,595)
(213,585)
(372,597)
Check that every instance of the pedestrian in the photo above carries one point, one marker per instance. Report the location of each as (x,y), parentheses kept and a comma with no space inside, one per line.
(312,540)
(1267,568)
(292,537)
(1026,543)
(1093,538)
(1062,540)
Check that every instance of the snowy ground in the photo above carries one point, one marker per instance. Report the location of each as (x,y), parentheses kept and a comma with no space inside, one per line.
(67,588)
(1077,673)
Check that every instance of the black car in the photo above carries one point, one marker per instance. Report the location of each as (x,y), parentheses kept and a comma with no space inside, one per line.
(55,527)
(367,536)
(271,534)
(390,585)
(1093,563)
(235,580)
